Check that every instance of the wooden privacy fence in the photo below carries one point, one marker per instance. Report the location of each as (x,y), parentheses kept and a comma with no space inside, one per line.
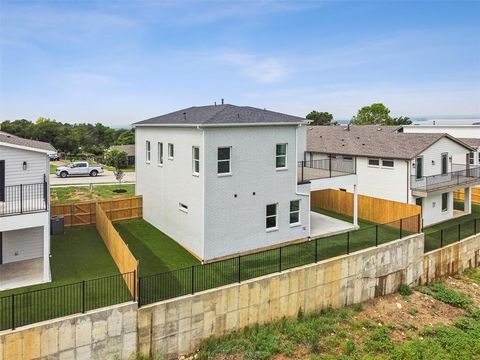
(121,254)
(372,209)
(84,213)
(460,195)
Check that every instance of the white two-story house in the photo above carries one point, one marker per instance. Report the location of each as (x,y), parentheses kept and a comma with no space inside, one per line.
(224,180)
(24,212)
(414,168)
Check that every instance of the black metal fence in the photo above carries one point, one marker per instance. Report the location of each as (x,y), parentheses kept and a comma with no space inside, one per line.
(325,168)
(49,303)
(451,234)
(464,175)
(197,278)
(23,198)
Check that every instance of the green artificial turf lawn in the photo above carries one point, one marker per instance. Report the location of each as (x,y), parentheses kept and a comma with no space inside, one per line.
(460,220)
(78,255)
(156,251)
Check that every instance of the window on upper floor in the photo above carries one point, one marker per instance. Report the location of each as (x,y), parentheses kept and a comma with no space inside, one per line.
(147,151)
(195,160)
(294,212)
(444,163)
(271,217)
(160,153)
(472,157)
(387,163)
(281,156)
(170,151)
(224,160)
(373,162)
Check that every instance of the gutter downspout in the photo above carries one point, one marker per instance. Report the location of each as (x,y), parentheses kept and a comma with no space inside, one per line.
(296,177)
(408,180)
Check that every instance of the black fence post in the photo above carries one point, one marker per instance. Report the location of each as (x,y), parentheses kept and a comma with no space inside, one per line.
(13,311)
(140,303)
(459,235)
(21,198)
(134,285)
(330,165)
(303,166)
(441,238)
(316,250)
(280,260)
(239,269)
(419,221)
(474,226)
(376,235)
(401,228)
(193,279)
(348,242)
(83,296)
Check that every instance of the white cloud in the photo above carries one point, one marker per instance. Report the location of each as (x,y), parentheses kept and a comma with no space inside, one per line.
(260,69)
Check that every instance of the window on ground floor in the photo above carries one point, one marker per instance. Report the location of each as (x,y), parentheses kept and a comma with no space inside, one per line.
(271,216)
(444,202)
(294,212)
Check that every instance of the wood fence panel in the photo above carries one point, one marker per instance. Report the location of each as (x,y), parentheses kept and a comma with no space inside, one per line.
(119,251)
(372,209)
(81,214)
(460,195)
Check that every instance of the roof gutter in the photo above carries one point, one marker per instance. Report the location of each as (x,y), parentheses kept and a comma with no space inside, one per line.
(221,125)
(28,148)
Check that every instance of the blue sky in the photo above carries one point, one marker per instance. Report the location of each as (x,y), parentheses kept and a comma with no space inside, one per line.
(118,62)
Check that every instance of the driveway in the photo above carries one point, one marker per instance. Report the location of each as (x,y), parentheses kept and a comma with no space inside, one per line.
(106,178)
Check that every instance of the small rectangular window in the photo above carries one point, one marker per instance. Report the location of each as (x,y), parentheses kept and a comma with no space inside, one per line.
(170,151)
(294,212)
(373,162)
(182,207)
(419,168)
(419,201)
(147,151)
(281,156)
(444,202)
(196,160)
(160,153)
(472,157)
(271,216)
(387,163)
(224,158)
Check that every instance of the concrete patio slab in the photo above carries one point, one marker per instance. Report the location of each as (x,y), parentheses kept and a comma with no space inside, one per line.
(21,273)
(323,225)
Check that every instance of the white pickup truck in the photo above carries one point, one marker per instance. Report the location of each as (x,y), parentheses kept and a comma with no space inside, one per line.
(78,168)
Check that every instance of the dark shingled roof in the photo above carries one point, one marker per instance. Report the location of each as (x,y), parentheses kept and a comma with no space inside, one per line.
(222,115)
(473,142)
(371,140)
(129,149)
(34,144)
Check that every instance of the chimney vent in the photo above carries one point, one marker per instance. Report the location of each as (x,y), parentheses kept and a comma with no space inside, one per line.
(222,101)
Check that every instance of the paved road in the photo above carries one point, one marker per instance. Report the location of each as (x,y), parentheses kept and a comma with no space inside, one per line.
(106,178)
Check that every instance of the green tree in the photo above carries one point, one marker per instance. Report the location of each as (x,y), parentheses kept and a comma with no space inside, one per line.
(402,120)
(374,114)
(320,118)
(116,158)
(125,137)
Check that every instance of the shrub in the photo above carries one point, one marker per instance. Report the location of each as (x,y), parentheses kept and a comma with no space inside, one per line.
(405,290)
(448,296)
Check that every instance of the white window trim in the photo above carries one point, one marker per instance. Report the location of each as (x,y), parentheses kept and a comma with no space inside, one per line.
(170,145)
(299,222)
(269,216)
(387,167)
(374,166)
(286,157)
(160,154)
(229,161)
(195,173)
(148,151)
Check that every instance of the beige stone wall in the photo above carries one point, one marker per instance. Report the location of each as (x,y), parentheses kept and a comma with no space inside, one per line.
(109,333)
(177,326)
(451,259)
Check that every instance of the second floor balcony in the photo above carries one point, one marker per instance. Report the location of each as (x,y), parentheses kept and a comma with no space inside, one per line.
(460,176)
(325,168)
(23,199)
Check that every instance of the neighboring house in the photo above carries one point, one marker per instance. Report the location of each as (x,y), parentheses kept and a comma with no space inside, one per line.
(24,211)
(223,180)
(469,134)
(416,168)
(129,149)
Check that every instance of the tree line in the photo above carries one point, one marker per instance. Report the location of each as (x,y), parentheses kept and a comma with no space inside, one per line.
(377,114)
(71,139)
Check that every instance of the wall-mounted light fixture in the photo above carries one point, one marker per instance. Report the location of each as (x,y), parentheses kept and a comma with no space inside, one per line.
(433,162)
(24,165)
(413,165)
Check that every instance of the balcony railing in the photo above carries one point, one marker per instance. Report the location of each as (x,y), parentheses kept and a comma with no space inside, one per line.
(325,168)
(462,175)
(23,199)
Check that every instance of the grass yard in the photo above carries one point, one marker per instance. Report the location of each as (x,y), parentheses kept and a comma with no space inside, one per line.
(79,254)
(460,220)
(156,251)
(75,194)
